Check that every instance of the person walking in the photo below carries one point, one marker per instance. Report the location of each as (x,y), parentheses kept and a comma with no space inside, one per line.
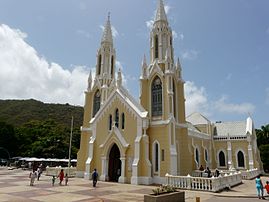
(259,187)
(39,171)
(94,177)
(53,180)
(66,179)
(32,177)
(61,176)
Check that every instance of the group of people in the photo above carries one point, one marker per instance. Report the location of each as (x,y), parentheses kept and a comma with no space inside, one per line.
(37,173)
(208,171)
(260,187)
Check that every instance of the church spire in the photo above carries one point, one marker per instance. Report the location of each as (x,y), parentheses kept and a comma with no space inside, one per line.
(107,34)
(160,13)
(90,81)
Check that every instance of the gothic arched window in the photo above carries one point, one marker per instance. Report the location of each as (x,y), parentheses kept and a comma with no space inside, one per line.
(99,64)
(222,159)
(206,155)
(156,153)
(174,100)
(156,46)
(197,156)
(96,102)
(122,121)
(112,66)
(240,159)
(117,118)
(156,97)
(110,121)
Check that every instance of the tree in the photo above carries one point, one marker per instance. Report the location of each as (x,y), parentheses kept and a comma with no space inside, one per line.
(7,140)
(263,144)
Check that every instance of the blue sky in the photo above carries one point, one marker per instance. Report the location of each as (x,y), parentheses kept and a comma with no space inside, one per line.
(47,49)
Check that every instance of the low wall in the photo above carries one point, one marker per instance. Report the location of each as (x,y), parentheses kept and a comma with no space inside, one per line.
(54,171)
(250,174)
(213,184)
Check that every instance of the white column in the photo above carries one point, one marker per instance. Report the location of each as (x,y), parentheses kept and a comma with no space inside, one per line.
(104,169)
(250,156)
(122,178)
(229,151)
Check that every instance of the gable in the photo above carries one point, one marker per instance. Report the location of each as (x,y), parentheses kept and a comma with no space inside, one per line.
(123,99)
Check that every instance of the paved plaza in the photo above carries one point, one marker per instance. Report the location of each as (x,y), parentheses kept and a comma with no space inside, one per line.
(14,186)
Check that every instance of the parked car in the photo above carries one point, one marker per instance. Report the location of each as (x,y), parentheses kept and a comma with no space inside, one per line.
(3,162)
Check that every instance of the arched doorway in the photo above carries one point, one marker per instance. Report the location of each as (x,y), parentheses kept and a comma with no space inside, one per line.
(114,167)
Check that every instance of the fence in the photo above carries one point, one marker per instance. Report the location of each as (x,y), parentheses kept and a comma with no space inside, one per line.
(213,184)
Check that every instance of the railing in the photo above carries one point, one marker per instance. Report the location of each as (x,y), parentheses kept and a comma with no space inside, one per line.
(213,184)
(250,174)
(54,171)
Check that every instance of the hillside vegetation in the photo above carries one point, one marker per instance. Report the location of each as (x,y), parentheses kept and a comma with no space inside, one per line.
(34,128)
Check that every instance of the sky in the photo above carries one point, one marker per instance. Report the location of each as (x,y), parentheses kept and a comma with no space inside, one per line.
(48,47)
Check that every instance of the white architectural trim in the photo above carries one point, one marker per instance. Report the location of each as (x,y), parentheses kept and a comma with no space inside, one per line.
(119,136)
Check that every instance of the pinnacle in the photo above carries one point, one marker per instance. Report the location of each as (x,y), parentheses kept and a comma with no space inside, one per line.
(107,34)
(160,13)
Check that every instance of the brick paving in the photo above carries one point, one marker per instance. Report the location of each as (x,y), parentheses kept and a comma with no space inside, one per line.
(14,187)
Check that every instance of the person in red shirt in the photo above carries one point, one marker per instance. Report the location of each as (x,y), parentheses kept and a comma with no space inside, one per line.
(267,187)
(61,176)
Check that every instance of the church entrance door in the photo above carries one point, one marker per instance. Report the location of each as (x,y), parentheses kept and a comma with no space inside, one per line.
(114,167)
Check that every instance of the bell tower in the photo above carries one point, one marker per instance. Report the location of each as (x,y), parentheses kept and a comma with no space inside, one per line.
(105,63)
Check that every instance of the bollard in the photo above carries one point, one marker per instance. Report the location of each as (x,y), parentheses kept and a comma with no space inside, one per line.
(197,199)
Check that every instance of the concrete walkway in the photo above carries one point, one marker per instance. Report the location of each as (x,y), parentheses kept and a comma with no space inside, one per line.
(14,186)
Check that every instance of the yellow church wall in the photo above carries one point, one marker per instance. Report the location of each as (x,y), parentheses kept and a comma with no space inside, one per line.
(82,154)
(160,134)
(180,103)
(184,156)
(242,146)
(129,134)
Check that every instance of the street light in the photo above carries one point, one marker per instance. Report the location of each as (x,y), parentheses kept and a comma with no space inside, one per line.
(70,145)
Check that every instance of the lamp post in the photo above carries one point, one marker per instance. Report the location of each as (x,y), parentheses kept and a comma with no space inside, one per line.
(70,145)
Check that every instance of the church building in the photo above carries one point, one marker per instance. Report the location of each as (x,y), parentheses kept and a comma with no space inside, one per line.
(138,142)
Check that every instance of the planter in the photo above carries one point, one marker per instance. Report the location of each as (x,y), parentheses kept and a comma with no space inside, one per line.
(165,197)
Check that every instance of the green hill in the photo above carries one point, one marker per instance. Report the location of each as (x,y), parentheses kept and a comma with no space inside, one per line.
(33,128)
(18,112)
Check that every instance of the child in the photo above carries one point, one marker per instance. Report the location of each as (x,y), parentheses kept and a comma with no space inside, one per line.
(32,177)
(66,179)
(53,180)
(267,187)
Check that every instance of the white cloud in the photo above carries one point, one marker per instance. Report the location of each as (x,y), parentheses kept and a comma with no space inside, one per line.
(149,24)
(167,9)
(196,99)
(223,106)
(24,74)
(267,95)
(189,54)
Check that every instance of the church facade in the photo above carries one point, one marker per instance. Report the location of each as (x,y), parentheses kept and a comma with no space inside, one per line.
(138,142)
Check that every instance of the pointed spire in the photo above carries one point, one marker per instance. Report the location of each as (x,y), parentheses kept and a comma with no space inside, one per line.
(178,65)
(119,78)
(160,13)
(107,33)
(90,81)
(144,62)
(144,67)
